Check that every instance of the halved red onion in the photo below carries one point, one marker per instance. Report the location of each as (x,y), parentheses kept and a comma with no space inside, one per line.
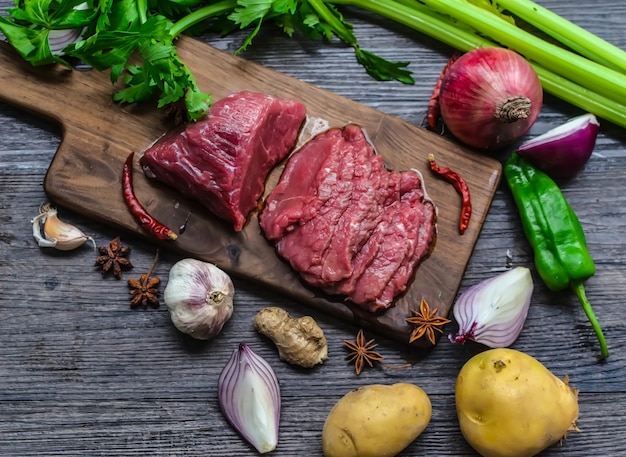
(563,151)
(493,312)
(249,396)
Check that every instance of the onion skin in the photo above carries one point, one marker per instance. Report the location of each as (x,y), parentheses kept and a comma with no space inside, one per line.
(474,91)
(60,39)
(563,151)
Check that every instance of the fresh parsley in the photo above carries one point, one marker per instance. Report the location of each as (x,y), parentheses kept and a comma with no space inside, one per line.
(136,39)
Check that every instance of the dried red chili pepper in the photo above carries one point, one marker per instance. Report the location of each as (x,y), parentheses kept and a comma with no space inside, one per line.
(461,187)
(433,112)
(147,222)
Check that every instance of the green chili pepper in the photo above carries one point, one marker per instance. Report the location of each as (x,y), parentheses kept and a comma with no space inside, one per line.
(555,234)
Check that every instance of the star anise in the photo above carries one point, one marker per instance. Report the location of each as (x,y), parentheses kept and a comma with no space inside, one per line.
(113,258)
(145,290)
(362,352)
(426,322)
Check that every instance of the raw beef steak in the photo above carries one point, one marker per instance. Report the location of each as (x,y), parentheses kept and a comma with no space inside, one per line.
(345,223)
(223,160)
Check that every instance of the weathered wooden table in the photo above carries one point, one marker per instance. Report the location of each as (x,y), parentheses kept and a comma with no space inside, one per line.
(82,374)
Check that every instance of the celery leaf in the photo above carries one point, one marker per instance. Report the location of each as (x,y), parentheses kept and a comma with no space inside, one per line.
(382,69)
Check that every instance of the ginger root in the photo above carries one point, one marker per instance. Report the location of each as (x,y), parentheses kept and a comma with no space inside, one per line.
(299,341)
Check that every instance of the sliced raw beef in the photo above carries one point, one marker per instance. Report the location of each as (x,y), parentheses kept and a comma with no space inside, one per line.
(345,223)
(223,160)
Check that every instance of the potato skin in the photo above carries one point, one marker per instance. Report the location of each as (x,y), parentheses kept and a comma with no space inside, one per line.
(510,405)
(376,421)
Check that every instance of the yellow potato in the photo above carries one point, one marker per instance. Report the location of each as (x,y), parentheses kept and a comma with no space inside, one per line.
(376,421)
(510,405)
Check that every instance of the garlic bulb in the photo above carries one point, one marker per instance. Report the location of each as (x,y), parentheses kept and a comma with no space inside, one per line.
(493,312)
(199,297)
(52,232)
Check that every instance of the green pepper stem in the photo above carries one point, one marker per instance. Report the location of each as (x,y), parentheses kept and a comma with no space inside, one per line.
(579,289)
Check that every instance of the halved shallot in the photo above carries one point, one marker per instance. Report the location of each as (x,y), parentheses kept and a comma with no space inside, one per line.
(493,312)
(249,396)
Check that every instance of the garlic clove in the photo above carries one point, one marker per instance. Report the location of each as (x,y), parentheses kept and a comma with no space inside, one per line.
(199,297)
(66,236)
(42,241)
(56,233)
(249,396)
(493,312)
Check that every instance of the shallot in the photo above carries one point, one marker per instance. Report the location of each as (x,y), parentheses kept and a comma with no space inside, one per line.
(493,312)
(249,396)
(59,39)
(563,151)
(490,97)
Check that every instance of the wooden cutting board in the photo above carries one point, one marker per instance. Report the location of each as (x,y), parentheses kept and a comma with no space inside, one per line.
(98,135)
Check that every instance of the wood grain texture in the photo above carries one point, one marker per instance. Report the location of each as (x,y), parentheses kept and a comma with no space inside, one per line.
(84,375)
(85,174)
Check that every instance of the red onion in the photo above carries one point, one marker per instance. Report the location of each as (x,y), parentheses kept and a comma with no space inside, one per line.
(249,396)
(490,97)
(563,151)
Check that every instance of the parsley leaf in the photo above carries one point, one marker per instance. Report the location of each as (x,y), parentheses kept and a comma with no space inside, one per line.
(330,20)
(29,25)
(160,73)
(251,11)
(382,69)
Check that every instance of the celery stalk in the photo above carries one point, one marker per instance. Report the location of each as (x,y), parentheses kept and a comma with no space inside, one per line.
(581,97)
(338,26)
(571,35)
(589,74)
(426,21)
(142,9)
(416,16)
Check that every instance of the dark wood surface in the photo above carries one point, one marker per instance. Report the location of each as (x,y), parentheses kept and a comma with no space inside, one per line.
(85,175)
(82,374)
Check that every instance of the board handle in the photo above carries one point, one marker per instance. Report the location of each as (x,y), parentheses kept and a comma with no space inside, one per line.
(56,92)
(34,89)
